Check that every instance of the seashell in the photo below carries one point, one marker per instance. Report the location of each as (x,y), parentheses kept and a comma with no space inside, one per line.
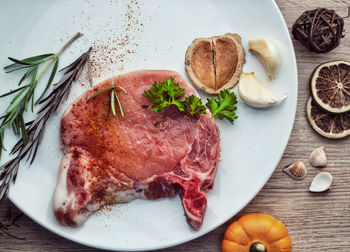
(296,171)
(321,182)
(318,157)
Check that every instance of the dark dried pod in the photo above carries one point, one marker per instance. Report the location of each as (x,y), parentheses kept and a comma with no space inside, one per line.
(319,30)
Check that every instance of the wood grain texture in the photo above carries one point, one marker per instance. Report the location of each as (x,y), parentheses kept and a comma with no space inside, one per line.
(316,222)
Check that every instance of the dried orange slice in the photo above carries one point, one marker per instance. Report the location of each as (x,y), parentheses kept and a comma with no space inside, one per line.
(327,124)
(330,86)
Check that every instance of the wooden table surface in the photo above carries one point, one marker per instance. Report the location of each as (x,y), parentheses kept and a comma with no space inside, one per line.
(316,222)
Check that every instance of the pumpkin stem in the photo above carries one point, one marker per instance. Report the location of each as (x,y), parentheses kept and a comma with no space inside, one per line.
(257,247)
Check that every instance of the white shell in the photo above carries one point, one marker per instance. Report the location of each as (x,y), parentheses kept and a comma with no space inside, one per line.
(321,182)
(318,157)
(296,171)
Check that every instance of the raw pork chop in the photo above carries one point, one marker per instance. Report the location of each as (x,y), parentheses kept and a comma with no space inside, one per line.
(120,159)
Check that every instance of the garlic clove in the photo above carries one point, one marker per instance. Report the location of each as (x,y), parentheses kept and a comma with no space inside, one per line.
(268,53)
(321,182)
(318,157)
(254,93)
(296,171)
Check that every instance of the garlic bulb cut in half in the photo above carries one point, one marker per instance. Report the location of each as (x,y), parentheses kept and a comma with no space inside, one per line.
(254,93)
(321,182)
(268,53)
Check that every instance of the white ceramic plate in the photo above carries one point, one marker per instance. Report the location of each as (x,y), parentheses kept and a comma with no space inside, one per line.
(157,38)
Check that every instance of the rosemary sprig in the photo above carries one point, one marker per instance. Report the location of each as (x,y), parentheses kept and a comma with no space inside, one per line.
(13,117)
(8,223)
(35,129)
(112,97)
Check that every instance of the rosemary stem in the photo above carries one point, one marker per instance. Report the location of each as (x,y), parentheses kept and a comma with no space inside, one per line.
(75,37)
(45,68)
(54,57)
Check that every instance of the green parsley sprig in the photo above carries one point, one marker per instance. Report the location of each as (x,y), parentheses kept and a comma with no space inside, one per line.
(223,106)
(168,93)
(194,105)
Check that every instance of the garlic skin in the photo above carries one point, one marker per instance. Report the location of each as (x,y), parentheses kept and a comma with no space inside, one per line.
(254,93)
(296,171)
(318,157)
(268,53)
(321,182)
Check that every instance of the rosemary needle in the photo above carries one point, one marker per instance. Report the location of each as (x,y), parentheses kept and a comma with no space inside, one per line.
(13,117)
(112,97)
(35,129)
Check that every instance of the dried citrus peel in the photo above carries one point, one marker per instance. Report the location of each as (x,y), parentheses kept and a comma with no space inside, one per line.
(330,86)
(327,124)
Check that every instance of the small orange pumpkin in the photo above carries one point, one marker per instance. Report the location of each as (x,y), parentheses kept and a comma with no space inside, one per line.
(256,233)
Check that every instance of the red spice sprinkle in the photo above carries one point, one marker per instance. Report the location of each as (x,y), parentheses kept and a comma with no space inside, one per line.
(110,54)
